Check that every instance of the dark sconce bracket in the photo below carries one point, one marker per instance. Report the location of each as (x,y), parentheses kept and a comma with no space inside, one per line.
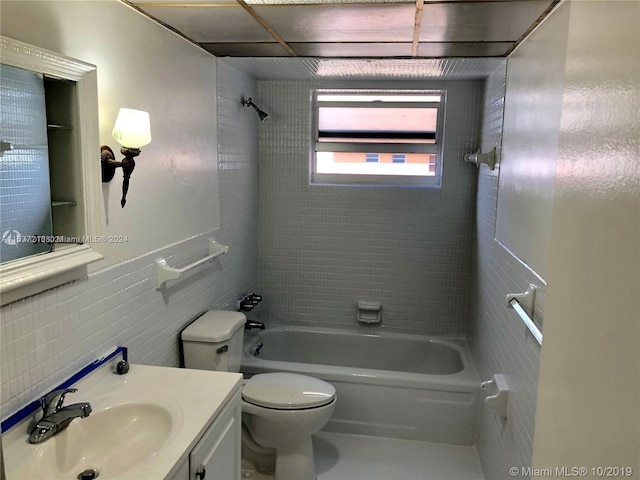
(110,164)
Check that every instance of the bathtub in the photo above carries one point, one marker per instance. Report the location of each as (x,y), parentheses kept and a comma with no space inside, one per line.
(388,385)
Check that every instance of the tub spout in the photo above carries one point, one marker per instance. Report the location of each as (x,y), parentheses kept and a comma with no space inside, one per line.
(251,324)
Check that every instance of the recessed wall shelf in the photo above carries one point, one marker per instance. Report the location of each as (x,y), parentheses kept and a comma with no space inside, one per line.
(7,147)
(164,272)
(63,204)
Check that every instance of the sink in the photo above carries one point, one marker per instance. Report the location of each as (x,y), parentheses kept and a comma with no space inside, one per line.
(142,426)
(110,441)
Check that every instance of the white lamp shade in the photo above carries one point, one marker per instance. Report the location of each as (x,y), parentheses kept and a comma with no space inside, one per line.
(132,128)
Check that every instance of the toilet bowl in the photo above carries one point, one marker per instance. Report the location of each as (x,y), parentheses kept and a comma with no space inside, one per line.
(280,410)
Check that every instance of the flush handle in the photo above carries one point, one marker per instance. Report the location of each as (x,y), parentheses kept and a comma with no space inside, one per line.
(223,349)
(201,473)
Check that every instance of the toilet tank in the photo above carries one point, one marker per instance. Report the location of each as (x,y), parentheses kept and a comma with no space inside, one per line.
(214,341)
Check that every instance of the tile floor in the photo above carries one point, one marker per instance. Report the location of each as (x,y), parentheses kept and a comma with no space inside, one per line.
(354,457)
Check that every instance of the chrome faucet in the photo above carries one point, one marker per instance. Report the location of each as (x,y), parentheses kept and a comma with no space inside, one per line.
(55,417)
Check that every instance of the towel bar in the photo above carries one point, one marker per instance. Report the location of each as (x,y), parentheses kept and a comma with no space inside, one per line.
(165,273)
(520,301)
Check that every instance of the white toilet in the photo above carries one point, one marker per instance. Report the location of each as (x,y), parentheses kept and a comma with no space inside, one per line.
(280,410)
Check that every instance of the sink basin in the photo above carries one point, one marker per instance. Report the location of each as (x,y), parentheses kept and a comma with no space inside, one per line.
(110,441)
(142,427)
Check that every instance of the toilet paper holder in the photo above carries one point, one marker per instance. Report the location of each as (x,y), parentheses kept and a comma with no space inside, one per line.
(498,394)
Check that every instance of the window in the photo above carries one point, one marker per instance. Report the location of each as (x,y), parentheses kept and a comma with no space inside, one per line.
(377,137)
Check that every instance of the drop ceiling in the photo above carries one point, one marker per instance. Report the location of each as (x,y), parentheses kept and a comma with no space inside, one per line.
(351,29)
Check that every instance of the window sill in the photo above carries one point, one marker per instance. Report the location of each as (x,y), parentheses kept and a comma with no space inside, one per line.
(345,180)
(33,275)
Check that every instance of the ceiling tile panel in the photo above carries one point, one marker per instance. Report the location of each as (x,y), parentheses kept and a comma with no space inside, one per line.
(210,23)
(479,21)
(351,28)
(246,49)
(341,23)
(316,2)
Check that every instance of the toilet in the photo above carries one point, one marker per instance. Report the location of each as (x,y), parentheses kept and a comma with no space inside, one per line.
(279,410)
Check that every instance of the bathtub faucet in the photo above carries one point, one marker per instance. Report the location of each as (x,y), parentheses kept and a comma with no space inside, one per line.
(251,324)
(249,302)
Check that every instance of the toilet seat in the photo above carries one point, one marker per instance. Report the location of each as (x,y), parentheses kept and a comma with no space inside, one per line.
(287,391)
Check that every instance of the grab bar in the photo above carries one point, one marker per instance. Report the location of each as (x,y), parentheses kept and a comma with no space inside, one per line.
(526,299)
(165,273)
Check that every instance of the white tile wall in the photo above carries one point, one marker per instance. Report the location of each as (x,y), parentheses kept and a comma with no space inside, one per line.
(497,336)
(48,337)
(323,248)
(397,69)
(24,169)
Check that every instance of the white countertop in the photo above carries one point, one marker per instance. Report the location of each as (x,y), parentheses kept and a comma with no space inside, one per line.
(193,397)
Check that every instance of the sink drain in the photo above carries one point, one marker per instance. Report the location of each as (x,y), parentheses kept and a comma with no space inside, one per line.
(89,474)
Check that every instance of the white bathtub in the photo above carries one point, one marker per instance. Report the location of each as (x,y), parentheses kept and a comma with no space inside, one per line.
(389,385)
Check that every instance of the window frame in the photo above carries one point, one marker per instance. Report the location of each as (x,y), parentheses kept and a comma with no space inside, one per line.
(351,179)
(30,275)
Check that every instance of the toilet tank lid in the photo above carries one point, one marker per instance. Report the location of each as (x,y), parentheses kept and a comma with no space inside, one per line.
(214,326)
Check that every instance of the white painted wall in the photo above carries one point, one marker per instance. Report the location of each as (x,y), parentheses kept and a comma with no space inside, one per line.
(173,193)
(46,338)
(588,397)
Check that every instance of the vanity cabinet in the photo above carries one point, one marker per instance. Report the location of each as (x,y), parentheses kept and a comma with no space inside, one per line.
(216,455)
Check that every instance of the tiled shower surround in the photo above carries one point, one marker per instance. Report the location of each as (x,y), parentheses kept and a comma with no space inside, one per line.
(497,337)
(323,248)
(48,337)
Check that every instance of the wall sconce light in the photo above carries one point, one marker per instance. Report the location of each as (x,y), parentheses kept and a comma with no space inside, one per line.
(132,131)
(249,103)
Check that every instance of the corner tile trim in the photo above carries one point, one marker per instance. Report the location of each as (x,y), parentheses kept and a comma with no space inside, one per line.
(32,407)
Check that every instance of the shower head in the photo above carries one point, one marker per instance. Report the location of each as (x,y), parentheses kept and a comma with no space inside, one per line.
(249,103)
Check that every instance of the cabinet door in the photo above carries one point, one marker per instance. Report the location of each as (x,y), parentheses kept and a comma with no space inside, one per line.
(217,455)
